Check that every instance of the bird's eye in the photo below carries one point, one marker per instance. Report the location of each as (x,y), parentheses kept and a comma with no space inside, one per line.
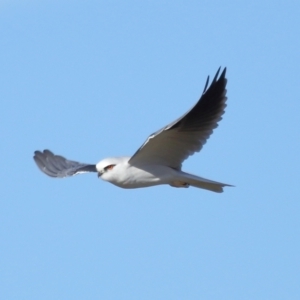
(110,167)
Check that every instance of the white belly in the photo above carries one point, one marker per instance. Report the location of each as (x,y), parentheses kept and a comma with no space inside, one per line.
(133,177)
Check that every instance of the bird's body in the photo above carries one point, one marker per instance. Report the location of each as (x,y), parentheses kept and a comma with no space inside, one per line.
(159,159)
(130,176)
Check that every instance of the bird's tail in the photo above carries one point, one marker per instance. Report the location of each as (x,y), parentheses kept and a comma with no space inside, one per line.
(202,183)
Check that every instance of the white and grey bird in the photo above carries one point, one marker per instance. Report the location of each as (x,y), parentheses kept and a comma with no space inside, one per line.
(159,159)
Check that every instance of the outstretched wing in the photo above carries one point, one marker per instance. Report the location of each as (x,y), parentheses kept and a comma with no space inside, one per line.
(171,145)
(58,166)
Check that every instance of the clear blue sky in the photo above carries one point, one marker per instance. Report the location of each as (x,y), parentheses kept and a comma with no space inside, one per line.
(91,79)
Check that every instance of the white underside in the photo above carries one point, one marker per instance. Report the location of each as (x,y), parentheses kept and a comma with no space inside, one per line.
(127,176)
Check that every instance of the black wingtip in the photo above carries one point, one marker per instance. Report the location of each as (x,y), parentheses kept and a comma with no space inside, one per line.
(206,85)
(223,74)
(222,77)
(217,74)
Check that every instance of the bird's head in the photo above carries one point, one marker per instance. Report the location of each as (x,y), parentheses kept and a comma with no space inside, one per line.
(109,168)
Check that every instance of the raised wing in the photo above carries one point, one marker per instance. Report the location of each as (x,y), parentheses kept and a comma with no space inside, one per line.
(58,166)
(171,145)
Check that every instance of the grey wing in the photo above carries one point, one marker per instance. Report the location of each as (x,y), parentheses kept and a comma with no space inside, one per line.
(58,166)
(172,144)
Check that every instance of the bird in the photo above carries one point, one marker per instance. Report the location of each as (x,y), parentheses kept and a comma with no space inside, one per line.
(159,160)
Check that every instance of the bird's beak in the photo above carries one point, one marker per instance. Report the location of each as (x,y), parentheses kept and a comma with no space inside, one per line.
(99,174)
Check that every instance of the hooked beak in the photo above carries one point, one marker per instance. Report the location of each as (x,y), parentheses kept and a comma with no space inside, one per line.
(100,174)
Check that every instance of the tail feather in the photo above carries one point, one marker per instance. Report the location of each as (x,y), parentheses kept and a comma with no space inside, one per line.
(202,183)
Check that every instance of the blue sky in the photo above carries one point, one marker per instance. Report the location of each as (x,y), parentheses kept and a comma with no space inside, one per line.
(93,79)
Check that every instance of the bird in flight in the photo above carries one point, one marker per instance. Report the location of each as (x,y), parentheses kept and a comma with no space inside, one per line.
(159,159)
